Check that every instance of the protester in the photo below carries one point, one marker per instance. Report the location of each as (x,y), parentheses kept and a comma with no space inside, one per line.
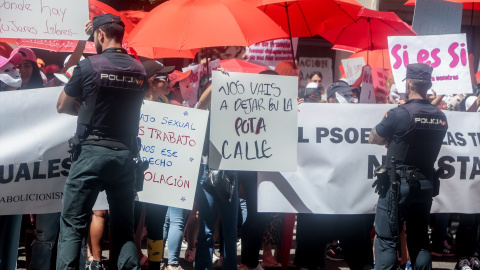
(415,148)
(158,90)
(314,90)
(209,205)
(10,224)
(106,141)
(28,68)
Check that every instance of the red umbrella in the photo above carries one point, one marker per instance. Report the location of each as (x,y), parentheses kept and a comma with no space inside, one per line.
(155,53)
(191,24)
(369,31)
(305,18)
(236,65)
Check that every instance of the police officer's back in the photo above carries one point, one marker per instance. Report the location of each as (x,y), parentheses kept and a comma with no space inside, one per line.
(106,91)
(413,133)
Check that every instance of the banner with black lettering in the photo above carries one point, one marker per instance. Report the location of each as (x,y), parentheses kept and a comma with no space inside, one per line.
(34,162)
(335,163)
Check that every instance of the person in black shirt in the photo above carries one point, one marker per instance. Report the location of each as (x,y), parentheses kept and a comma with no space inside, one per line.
(106,92)
(413,134)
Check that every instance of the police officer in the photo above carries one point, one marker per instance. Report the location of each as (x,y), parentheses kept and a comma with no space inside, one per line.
(413,134)
(106,92)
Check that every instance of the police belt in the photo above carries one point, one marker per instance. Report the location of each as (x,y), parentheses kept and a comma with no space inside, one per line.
(411,174)
(109,142)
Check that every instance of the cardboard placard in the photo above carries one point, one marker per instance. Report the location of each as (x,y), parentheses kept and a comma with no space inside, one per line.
(270,53)
(253,122)
(172,142)
(353,68)
(447,54)
(194,80)
(44,19)
(437,17)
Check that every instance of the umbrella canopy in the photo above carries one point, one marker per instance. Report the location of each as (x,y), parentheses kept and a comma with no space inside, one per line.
(467,4)
(191,24)
(236,65)
(155,53)
(369,31)
(305,18)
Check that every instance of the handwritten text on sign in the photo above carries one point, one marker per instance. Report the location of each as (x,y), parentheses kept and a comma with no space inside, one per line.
(172,143)
(197,72)
(253,122)
(47,19)
(447,54)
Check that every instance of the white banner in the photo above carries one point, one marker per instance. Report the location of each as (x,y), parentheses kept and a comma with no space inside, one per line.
(308,65)
(437,17)
(172,142)
(335,163)
(270,53)
(44,19)
(353,68)
(34,162)
(197,72)
(447,54)
(253,122)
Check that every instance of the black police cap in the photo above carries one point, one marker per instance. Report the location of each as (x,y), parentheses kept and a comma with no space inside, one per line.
(419,71)
(153,67)
(103,19)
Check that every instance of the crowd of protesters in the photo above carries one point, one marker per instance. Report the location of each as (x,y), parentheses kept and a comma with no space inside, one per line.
(318,237)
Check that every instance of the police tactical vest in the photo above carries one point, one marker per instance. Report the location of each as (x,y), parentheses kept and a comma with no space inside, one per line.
(113,110)
(420,145)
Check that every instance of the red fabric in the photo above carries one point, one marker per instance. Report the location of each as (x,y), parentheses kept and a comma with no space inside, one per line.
(236,65)
(287,239)
(369,31)
(309,17)
(468,4)
(192,24)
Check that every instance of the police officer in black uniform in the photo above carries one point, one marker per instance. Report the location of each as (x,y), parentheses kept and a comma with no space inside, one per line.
(106,92)
(413,134)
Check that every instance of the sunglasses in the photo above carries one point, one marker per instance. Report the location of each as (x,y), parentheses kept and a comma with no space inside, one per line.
(162,77)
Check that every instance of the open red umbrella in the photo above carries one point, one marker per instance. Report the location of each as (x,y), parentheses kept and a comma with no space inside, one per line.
(191,24)
(237,65)
(305,18)
(369,31)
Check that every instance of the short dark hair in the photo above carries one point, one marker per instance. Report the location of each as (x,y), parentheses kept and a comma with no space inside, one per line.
(36,80)
(113,31)
(318,73)
(420,86)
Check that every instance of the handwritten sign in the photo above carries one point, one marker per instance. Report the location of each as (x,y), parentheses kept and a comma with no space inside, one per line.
(253,122)
(353,68)
(194,80)
(437,17)
(44,19)
(270,53)
(447,54)
(172,143)
(380,78)
(308,65)
(368,91)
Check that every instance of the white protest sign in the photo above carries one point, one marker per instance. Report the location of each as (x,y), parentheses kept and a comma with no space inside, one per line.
(308,65)
(336,163)
(368,91)
(447,54)
(253,122)
(353,68)
(34,162)
(270,53)
(172,142)
(437,17)
(44,19)
(197,72)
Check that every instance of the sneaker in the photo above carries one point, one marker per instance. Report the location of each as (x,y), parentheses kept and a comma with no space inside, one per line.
(95,265)
(190,255)
(463,264)
(407,266)
(474,263)
(335,253)
(87,264)
(445,251)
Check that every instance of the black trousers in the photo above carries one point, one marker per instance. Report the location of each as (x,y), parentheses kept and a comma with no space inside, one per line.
(415,202)
(255,224)
(353,231)
(467,235)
